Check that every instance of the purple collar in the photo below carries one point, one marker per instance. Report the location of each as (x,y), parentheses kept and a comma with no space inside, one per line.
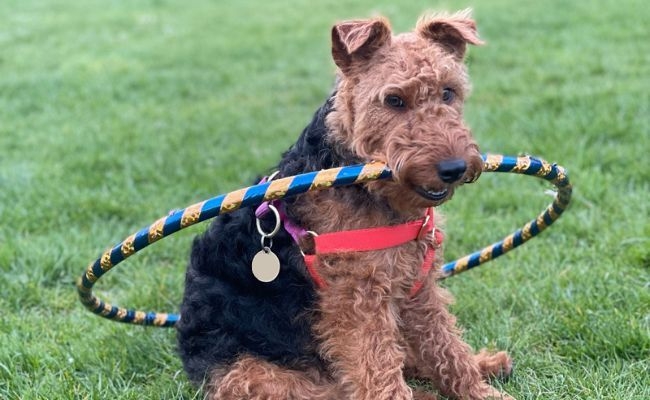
(291,227)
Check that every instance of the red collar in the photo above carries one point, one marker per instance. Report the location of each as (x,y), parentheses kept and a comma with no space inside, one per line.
(363,240)
(377,239)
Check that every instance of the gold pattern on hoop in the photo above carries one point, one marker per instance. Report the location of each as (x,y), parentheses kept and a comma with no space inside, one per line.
(156,230)
(128,247)
(277,189)
(191,214)
(233,200)
(492,162)
(522,165)
(325,179)
(105,262)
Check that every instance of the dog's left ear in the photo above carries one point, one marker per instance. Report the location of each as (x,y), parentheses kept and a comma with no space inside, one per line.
(453,32)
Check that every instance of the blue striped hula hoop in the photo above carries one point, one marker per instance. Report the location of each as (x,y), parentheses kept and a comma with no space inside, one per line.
(294,185)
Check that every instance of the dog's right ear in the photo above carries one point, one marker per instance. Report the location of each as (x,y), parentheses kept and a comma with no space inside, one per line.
(358,40)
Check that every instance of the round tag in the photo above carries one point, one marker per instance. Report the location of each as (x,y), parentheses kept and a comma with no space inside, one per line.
(266,266)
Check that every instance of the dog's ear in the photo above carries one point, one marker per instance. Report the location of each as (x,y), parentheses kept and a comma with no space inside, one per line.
(453,32)
(358,40)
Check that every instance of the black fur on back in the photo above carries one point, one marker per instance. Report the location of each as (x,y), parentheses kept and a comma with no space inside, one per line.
(226,311)
(312,152)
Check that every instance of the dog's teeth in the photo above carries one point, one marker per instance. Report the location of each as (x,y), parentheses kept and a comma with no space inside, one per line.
(431,194)
(437,193)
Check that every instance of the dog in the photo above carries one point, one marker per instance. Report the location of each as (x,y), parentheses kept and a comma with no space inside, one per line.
(352,309)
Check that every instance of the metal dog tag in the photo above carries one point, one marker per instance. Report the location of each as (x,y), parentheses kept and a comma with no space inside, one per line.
(266,266)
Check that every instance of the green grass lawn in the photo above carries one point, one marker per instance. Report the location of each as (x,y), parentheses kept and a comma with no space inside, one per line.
(113,113)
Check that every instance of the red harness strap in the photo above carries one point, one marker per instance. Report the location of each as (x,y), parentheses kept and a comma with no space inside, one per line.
(377,239)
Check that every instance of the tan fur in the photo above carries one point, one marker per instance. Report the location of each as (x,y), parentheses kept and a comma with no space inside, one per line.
(372,334)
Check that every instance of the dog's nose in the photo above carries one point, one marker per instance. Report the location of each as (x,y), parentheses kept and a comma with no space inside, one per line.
(451,170)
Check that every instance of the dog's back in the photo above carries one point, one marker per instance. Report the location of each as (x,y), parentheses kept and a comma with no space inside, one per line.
(226,311)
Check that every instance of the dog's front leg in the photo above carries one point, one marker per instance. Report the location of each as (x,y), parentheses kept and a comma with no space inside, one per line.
(437,351)
(360,337)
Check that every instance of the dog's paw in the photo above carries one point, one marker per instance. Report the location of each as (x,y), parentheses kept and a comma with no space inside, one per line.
(497,365)
(421,395)
(494,394)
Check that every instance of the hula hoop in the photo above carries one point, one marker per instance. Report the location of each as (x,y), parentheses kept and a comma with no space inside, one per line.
(291,186)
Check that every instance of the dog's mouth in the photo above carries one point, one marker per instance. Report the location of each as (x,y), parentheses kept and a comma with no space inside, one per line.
(430,194)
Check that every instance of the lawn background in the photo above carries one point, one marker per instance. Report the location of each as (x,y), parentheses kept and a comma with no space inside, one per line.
(114,112)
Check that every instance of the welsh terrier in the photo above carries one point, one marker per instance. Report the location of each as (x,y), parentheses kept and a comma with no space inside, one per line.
(353,310)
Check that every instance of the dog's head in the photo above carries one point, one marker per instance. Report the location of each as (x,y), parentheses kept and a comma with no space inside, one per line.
(400,100)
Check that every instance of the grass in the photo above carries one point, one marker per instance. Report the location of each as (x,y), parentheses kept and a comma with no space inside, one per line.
(113,113)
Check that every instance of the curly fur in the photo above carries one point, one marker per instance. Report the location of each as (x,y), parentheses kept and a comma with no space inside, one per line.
(270,320)
(363,335)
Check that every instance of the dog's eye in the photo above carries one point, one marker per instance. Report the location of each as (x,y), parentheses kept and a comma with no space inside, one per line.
(394,101)
(448,95)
